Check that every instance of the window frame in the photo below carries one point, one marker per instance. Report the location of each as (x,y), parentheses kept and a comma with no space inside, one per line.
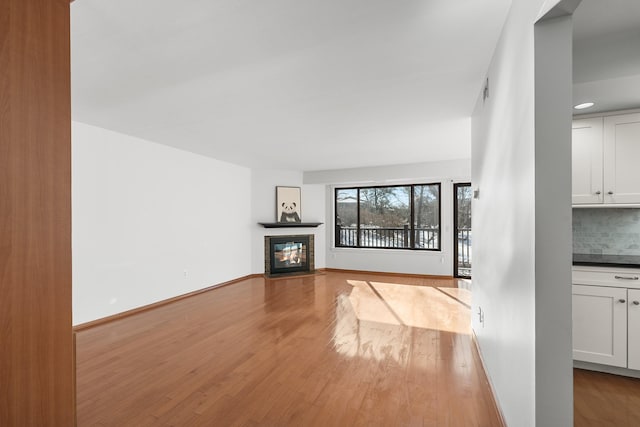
(336,236)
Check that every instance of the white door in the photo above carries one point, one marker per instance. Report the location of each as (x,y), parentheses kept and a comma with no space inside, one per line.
(600,325)
(622,158)
(586,161)
(634,328)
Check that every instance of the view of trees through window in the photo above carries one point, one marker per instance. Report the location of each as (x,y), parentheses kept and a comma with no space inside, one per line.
(402,216)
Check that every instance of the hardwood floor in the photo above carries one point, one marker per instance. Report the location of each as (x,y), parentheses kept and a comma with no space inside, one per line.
(604,400)
(333,349)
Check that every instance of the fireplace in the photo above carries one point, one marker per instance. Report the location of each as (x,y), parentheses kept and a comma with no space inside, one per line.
(288,255)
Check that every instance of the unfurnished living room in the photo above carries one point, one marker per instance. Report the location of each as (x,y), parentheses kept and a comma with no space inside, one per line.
(331,213)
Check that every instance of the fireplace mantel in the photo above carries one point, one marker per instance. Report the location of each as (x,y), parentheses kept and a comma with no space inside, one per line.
(289,224)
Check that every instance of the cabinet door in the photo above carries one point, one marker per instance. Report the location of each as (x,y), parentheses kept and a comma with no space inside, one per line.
(600,325)
(622,158)
(634,328)
(586,161)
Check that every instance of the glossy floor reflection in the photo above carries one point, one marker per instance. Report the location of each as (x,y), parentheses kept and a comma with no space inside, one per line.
(328,349)
(410,305)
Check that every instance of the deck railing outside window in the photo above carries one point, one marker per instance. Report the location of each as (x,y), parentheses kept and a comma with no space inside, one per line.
(395,237)
(464,251)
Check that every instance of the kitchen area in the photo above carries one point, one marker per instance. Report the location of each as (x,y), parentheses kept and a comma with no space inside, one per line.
(606,268)
(606,187)
(606,213)
(606,289)
(606,242)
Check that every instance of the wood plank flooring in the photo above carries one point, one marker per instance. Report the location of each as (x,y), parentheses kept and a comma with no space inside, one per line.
(333,349)
(605,400)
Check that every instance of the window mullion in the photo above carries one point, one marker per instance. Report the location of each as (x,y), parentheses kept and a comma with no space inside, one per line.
(358,222)
(412,233)
(336,226)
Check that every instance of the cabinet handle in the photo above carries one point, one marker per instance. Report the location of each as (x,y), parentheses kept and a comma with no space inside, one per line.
(636,303)
(622,300)
(610,193)
(598,192)
(626,277)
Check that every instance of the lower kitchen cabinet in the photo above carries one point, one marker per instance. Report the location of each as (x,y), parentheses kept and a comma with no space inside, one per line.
(600,325)
(634,328)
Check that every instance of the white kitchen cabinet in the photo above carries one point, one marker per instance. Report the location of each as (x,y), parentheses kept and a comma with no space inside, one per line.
(621,158)
(633,318)
(605,156)
(600,325)
(586,161)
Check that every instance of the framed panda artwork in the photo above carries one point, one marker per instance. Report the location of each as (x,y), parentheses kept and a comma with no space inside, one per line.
(288,207)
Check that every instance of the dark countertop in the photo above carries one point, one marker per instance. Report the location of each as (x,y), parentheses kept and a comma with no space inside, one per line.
(628,261)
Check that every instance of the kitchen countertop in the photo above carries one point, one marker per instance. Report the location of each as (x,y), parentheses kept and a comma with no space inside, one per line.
(628,261)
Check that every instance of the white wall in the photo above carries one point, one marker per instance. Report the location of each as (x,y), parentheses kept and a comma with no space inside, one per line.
(553,93)
(394,261)
(263,209)
(514,266)
(143,214)
(503,220)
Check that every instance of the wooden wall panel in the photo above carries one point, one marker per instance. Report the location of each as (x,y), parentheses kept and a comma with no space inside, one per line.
(36,350)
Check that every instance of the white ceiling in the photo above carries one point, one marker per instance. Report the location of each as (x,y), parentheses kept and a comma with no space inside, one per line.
(606,54)
(292,84)
(597,18)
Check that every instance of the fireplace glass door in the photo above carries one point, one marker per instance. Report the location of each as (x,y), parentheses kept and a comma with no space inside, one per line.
(289,255)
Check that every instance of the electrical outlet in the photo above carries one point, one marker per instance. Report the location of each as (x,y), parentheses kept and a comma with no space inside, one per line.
(186,273)
(481,316)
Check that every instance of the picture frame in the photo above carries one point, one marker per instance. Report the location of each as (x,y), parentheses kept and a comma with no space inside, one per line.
(288,206)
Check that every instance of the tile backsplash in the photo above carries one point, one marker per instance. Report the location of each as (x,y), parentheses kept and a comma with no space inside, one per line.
(606,231)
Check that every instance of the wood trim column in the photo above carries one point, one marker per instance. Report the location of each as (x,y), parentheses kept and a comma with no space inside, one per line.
(36,348)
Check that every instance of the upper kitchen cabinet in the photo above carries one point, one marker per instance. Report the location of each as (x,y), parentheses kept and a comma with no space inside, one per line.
(621,157)
(586,161)
(605,156)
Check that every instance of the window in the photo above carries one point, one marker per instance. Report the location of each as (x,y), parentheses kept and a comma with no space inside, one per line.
(394,217)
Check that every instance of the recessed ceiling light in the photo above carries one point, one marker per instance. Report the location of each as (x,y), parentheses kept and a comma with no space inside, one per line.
(583,106)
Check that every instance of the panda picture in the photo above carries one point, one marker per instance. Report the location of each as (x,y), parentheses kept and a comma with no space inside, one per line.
(288,204)
(289,212)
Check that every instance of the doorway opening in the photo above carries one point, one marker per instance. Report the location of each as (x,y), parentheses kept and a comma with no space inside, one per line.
(462,230)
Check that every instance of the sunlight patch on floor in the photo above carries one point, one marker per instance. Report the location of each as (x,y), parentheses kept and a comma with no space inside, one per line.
(376,318)
(443,309)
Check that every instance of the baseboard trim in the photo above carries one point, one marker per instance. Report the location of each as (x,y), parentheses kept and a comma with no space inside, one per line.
(614,370)
(383,273)
(496,405)
(134,311)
